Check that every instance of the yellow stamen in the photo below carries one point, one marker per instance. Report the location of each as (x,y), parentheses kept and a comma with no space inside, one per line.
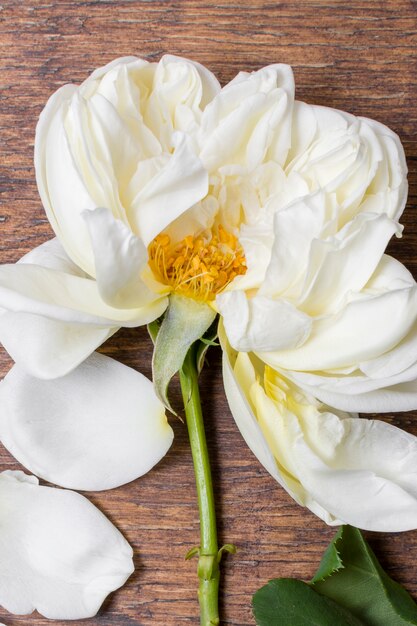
(200,266)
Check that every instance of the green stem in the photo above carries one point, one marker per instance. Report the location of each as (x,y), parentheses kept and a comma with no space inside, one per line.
(209,556)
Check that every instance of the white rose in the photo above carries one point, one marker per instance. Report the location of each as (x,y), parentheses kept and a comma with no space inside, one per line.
(276,214)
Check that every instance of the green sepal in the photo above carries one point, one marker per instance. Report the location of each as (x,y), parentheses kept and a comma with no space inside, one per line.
(153,329)
(185,321)
(208,340)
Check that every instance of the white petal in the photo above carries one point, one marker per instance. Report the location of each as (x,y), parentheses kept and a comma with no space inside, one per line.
(32,288)
(51,254)
(100,72)
(345,469)
(260,323)
(391,385)
(179,91)
(344,264)
(61,185)
(120,258)
(249,120)
(126,85)
(209,83)
(365,329)
(358,161)
(182,182)
(241,409)
(392,168)
(295,227)
(256,241)
(42,129)
(59,554)
(361,471)
(52,319)
(383,395)
(48,348)
(97,428)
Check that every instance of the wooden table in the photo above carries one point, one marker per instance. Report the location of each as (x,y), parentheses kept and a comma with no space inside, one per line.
(359,56)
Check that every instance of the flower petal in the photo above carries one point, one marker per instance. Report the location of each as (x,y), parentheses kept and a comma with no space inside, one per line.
(345,469)
(59,554)
(359,161)
(239,402)
(361,393)
(52,314)
(260,323)
(179,184)
(249,119)
(295,227)
(120,258)
(210,86)
(344,263)
(48,348)
(60,184)
(361,471)
(365,329)
(97,428)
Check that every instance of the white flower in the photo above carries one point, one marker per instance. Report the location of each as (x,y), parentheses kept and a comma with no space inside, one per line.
(273,212)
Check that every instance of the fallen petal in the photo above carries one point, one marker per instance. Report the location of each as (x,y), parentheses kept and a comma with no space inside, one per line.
(60,555)
(99,427)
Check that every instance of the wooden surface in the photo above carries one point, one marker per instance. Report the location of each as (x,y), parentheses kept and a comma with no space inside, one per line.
(359,56)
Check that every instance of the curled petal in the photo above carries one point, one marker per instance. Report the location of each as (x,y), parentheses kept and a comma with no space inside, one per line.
(361,471)
(180,91)
(261,323)
(363,359)
(209,86)
(59,554)
(358,392)
(386,383)
(294,229)
(235,383)
(343,264)
(345,469)
(249,120)
(61,185)
(365,329)
(97,428)
(120,259)
(177,186)
(53,316)
(360,161)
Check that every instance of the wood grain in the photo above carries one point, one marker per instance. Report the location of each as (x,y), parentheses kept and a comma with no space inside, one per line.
(359,56)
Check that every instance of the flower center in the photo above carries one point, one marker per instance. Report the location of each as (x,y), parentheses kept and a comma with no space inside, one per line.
(200,266)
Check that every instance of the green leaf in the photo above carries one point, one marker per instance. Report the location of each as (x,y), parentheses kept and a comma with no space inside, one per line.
(290,602)
(329,564)
(185,321)
(351,578)
(361,584)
